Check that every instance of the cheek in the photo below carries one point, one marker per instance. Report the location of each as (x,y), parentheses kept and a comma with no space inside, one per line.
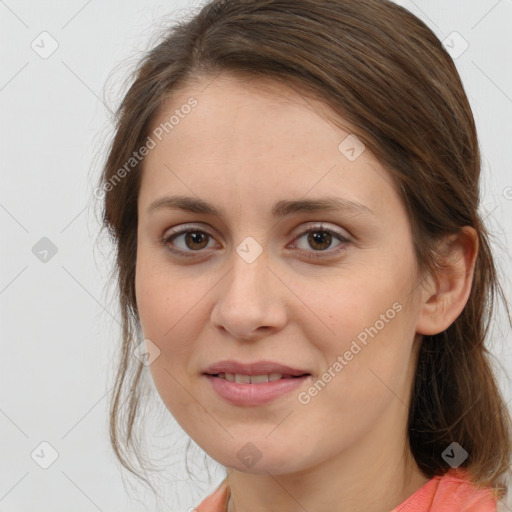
(163,321)
(363,333)
(346,305)
(171,315)
(163,298)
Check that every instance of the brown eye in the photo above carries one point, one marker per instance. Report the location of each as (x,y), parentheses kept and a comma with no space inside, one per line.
(319,240)
(186,242)
(195,240)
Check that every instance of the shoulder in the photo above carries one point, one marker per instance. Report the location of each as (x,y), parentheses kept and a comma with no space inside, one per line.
(451,491)
(216,501)
(505,503)
(455,491)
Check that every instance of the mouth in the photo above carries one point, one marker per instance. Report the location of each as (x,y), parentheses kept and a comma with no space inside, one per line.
(255,371)
(255,383)
(255,379)
(244,390)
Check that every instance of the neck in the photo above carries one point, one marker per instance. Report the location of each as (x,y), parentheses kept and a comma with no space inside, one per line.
(376,475)
(273,495)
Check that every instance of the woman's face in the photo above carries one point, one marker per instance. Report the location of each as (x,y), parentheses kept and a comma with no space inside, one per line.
(331,292)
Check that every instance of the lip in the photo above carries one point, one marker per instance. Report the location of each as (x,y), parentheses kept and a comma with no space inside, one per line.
(243,394)
(254,368)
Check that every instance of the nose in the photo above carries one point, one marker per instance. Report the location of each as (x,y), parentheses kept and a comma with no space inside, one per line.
(250,302)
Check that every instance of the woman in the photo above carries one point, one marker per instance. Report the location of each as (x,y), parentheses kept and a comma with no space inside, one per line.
(293,190)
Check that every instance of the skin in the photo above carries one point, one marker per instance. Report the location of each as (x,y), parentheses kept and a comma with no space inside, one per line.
(246,145)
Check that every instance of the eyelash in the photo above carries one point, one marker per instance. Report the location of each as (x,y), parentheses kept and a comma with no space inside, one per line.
(165,241)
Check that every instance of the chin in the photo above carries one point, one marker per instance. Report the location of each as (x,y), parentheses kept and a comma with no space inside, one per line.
(260,456)
(269,467)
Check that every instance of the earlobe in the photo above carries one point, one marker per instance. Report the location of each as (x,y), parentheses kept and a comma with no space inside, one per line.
(445,295)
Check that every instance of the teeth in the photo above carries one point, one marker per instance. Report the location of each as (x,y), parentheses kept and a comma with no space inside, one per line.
(255,379)
(252,379)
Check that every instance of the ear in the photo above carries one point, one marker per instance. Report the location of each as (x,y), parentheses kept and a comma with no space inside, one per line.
(444,295)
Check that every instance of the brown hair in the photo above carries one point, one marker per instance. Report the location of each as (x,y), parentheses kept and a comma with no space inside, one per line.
(384,71)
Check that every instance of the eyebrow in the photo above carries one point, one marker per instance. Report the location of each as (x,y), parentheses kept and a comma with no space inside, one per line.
(279,210)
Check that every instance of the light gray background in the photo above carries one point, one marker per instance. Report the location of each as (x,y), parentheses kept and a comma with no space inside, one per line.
(59,324)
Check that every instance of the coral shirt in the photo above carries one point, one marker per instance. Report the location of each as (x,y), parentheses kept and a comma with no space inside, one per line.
(452,492)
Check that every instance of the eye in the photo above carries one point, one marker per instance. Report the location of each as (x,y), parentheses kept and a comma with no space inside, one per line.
(192,240)
(320,240)
(188,241)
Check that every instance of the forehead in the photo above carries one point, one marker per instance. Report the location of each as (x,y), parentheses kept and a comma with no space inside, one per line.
(259,136)
(234,111)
